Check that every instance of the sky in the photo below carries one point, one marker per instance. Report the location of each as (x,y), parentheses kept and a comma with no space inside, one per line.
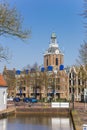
(44,17)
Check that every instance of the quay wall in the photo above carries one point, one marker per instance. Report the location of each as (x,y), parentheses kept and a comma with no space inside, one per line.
(44,111)
(7,112)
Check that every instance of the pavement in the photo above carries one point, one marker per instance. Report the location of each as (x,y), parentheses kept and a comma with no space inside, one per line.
(81,108)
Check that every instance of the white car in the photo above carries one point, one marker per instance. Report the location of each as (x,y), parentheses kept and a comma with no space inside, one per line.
(10,99)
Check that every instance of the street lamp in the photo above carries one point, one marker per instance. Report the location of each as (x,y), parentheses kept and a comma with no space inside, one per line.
(73,83)
(20,89)
(85,96)
(55,72)
(73,99)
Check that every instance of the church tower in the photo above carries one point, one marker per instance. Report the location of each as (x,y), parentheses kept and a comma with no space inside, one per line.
(53,56)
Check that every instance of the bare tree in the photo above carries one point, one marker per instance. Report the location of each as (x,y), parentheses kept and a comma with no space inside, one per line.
(4,54)
(83,54)
(84,14)
(82,74)
(83,47)
(11,25)
(35,66)
(11,22)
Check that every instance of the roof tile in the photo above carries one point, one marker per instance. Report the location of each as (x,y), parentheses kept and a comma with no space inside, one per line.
(2,81)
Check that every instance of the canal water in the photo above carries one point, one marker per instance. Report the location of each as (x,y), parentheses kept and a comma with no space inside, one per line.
(36,123)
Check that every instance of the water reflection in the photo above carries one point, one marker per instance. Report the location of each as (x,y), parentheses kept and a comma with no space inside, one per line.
(36,123)
(61,124)
(3,124)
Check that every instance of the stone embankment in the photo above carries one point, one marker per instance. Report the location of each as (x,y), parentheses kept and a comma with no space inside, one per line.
(43,111)
(7,112)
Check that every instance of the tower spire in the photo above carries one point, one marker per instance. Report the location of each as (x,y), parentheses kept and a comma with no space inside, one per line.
(53,40)
(53,55)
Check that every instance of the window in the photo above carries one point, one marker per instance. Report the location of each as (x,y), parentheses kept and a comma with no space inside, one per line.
(69,82)
(78,81)
(73,75)
(73,89)
(56,61)
(73,82)
(70,75)
(49,80)
(4,95)
(47,62)
(78,90)
(69,90)
(53,40)
(24,82)
(58,87)
(58,80)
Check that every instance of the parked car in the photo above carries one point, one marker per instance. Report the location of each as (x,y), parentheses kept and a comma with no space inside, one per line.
(9,99)
(16,99)
(26,100)
(31,100)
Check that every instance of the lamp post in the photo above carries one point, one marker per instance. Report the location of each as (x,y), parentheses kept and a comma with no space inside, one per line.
(55,90)
(85,97)
(72,92)
(73,97)
(55,72)
(20,89)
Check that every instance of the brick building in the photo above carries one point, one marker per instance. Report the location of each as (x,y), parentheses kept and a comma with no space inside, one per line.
(49,83)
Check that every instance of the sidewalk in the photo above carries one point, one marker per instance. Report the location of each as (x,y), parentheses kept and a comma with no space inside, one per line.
(81,108)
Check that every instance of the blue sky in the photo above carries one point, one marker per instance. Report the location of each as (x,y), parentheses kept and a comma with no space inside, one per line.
(44,17)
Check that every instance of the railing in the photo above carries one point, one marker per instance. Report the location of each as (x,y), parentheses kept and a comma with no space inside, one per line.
(60,104)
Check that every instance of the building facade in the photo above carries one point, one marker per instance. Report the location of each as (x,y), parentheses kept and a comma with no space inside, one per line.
(78,83)
(42,85)
(3,93)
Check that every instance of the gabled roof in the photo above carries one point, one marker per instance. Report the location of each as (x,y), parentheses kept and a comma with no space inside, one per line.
(2,81)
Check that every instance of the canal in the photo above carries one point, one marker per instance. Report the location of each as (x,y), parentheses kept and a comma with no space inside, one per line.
(36,123)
